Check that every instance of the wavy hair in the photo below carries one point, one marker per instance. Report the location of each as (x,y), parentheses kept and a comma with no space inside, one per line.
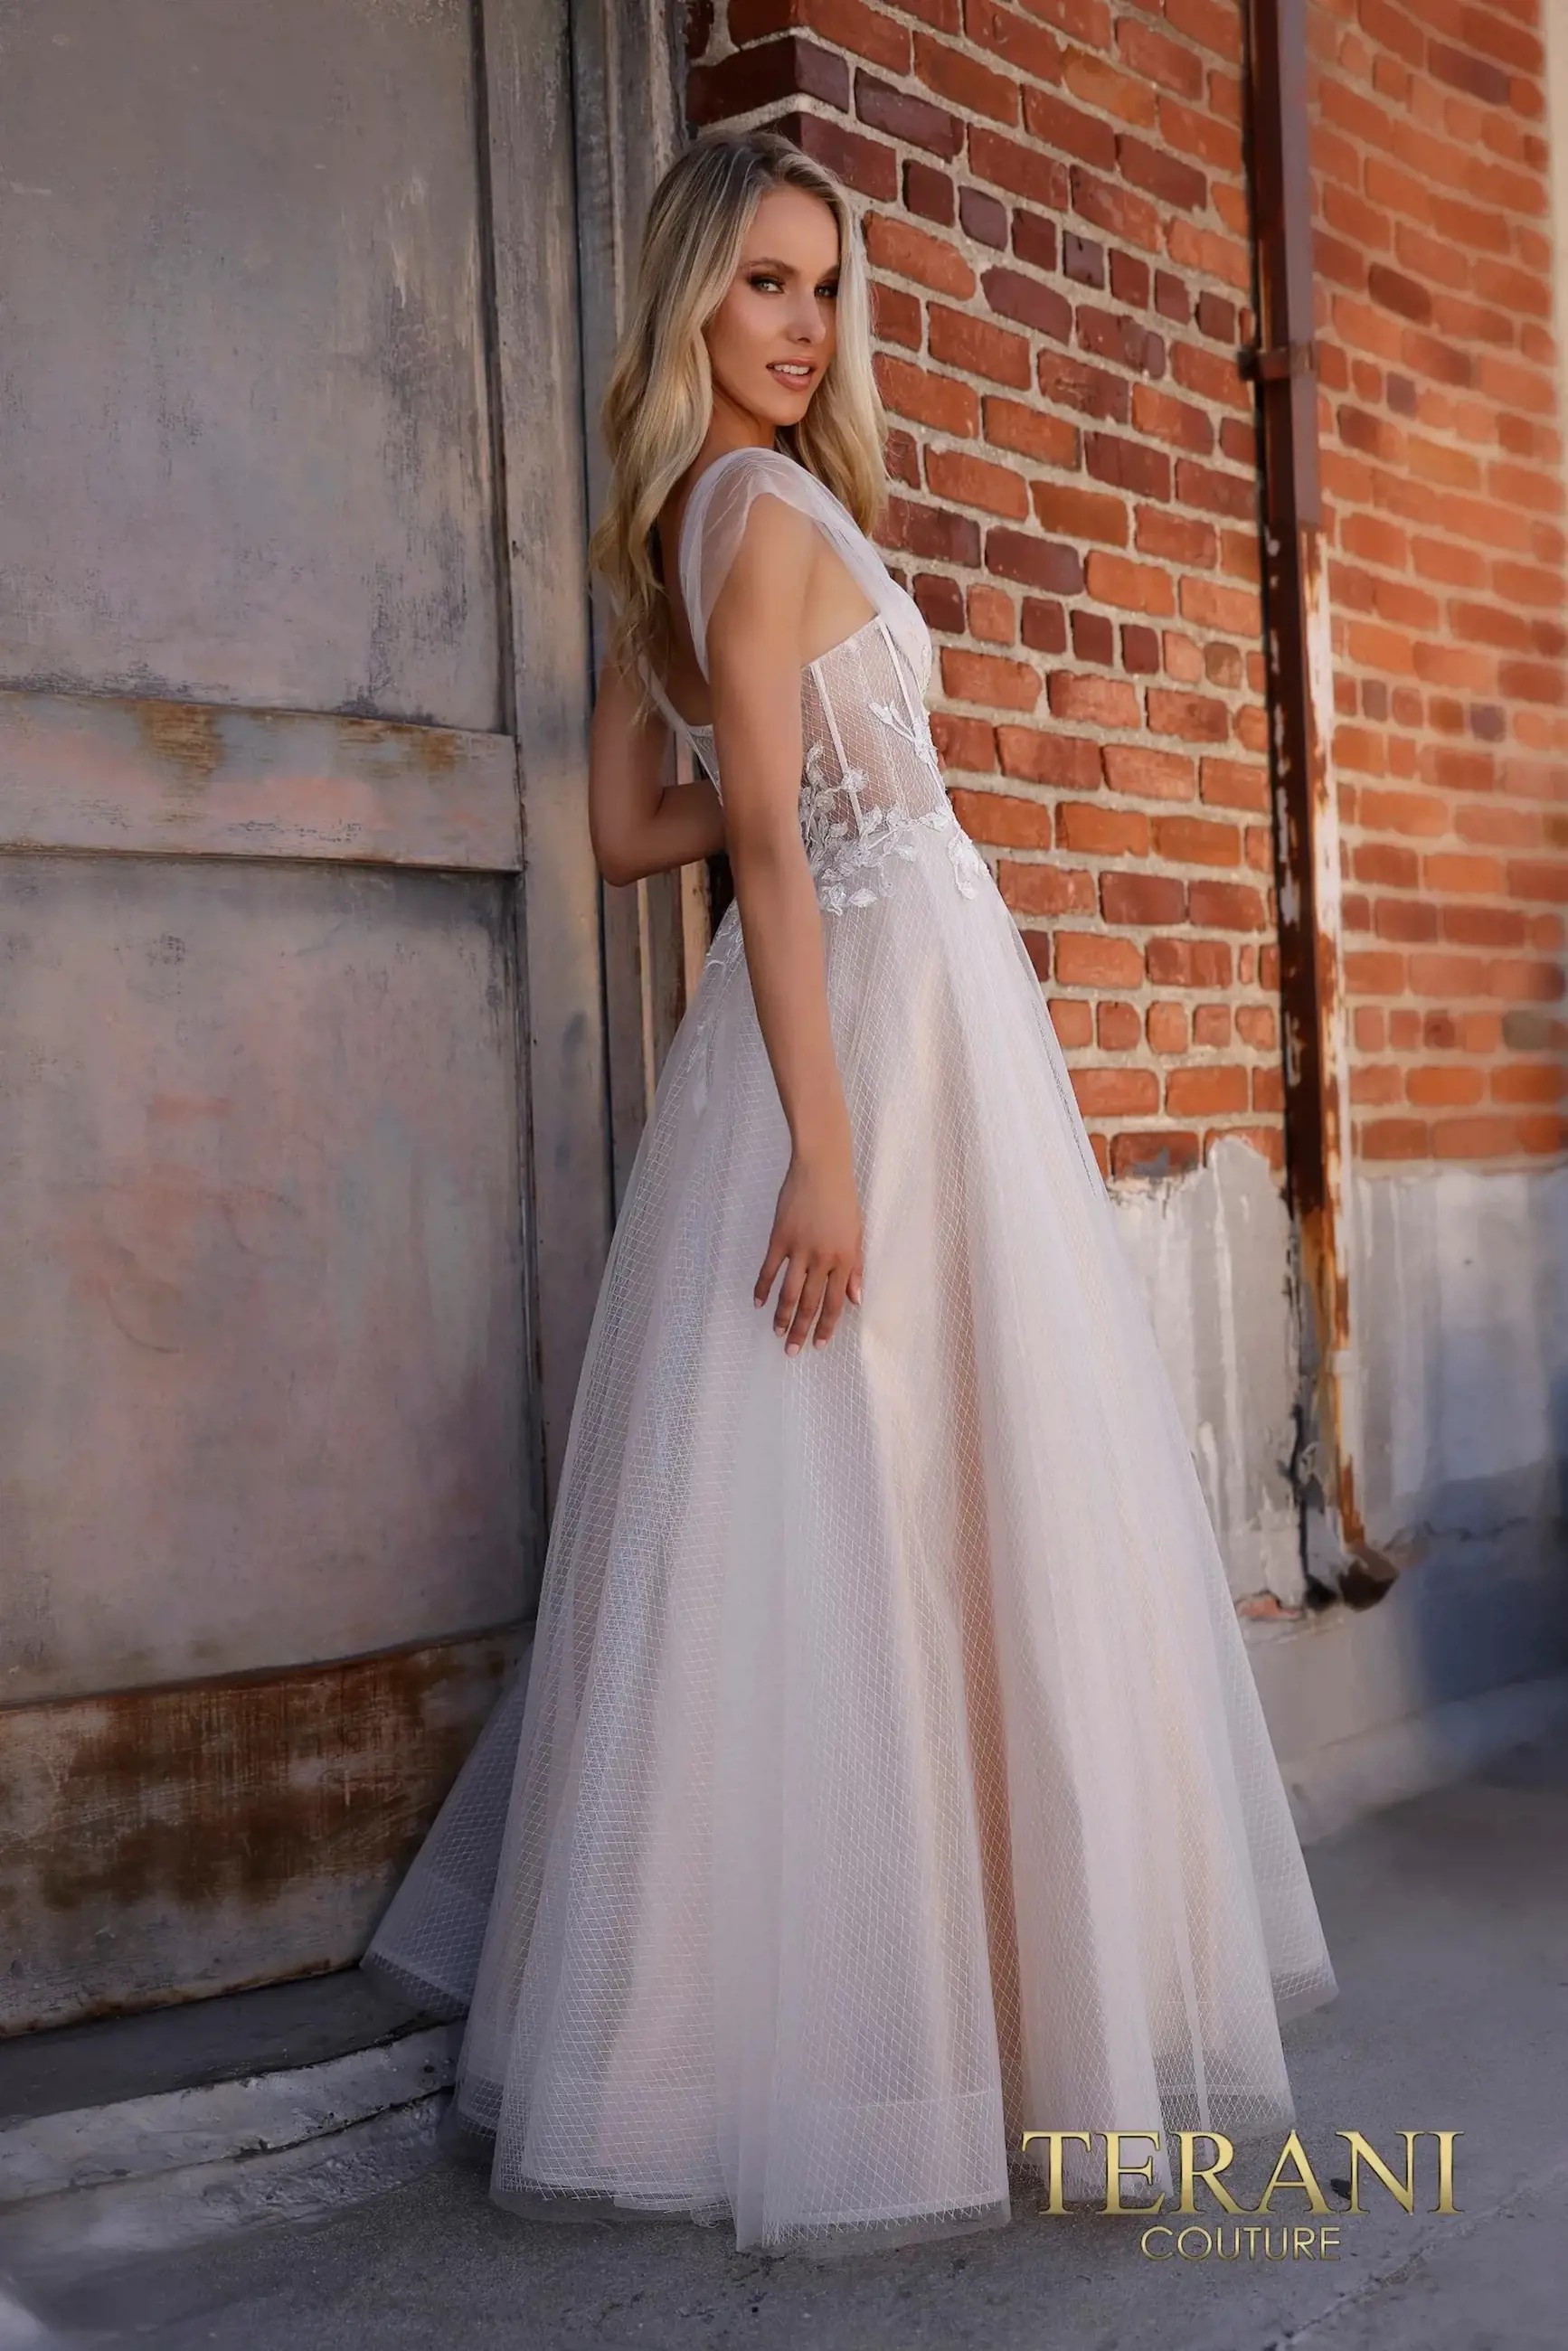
(659,403)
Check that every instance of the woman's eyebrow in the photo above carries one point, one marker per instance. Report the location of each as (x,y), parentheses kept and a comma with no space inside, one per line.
(771,261)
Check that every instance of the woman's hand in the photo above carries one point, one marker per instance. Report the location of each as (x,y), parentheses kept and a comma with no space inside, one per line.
(817,1237)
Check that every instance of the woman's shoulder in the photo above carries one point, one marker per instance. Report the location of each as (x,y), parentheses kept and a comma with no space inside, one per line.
(741,475)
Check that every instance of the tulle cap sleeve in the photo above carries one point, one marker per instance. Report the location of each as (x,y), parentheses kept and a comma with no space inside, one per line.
(715,524)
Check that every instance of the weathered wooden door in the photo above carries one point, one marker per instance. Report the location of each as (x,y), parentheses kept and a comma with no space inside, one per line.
(305,1162)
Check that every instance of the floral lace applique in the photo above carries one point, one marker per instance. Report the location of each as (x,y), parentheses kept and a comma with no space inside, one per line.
(850,847)
(847,844)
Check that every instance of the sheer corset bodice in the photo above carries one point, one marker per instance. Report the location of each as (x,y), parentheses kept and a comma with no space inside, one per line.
(871,782)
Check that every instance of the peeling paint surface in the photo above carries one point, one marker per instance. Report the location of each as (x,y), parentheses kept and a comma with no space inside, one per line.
(1211,1251)
(160,1845)
(244,430)
(1463,1348)
(140,777)
(261,1344)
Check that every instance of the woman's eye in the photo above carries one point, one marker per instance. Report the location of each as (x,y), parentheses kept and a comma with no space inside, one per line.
(766,278)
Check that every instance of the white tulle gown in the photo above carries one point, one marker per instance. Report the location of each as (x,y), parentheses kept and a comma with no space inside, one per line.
(888,1778)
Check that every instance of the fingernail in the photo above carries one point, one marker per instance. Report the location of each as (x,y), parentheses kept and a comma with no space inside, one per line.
(793,1348)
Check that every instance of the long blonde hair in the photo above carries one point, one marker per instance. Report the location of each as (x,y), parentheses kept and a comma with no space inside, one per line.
(657,409)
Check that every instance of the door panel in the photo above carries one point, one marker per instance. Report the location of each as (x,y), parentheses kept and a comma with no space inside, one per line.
(285,1027)
(244,453)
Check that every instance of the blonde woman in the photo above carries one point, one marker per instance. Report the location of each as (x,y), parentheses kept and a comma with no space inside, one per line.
(888,1780)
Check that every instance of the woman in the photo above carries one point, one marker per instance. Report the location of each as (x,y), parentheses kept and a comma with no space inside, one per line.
(890,1779)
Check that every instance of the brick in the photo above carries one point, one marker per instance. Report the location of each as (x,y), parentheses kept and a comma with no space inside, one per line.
(989,678)
(1392,1138)
(1028,48)
(1190,963)
(850,24)
(894,319)
(1450,1086)
(929,193)
(1206,1092)
(1034,239)
(897,245)
(1035,172)
(905,117)
(1149,775)
(1191,716)
(1529,1081)
(1167,1027)
(1093,637)
(1143,901)
(983,218)
(1034,562)
(1117,1028)
(956,75)
(990,615)
(1082,259)
(1042,624)
(1211,1026)
(1047,440)
(1002,818)
(1063,130)
(1075,513)
(1092,701)
(1190,840)
(870,165)
(942,600)
(1070,381)
(1073,1018)
(1046,890)
(1165,1151)
(1092,830)
(977,347)
(1231,783)
(930,532)
(758,75)
(1178,185)
(970,743)
(969,481)
(939,401)
(1156,58)
(1129,587)
(1048,755)
(1116,1093)
(1014,294)
(1227,907)
(1086,959)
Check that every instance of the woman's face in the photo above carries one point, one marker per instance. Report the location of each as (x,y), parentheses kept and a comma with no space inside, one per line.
(772,338)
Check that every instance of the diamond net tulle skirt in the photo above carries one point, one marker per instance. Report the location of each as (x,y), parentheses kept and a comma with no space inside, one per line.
(887,1778)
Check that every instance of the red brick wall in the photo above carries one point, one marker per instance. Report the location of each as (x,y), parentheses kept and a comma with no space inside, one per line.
(1440,432)
(1056,214)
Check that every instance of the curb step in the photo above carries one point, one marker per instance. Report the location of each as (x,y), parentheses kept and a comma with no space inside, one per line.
(93,2186)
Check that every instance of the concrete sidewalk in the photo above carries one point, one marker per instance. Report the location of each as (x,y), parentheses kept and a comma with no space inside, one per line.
(1448,1921)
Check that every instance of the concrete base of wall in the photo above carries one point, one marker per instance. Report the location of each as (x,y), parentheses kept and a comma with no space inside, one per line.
(1467,1657)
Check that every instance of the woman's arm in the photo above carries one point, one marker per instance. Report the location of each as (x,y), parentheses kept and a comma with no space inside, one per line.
(637,823)
(755,636)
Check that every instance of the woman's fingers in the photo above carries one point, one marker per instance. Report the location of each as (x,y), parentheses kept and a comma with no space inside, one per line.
(833,1305)
(777,1254)
(807,1307)
(812,1292)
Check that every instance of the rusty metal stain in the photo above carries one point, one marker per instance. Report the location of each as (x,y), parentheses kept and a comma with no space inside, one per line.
(184,738)
(435,750)
(174,1804)
(88,772)
(1301,718)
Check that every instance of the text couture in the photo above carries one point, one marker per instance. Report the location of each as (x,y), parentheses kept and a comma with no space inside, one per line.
(1245,2239)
